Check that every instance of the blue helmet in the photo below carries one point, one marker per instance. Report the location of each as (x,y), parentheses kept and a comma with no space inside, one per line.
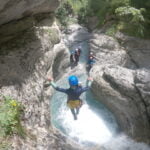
(73,80)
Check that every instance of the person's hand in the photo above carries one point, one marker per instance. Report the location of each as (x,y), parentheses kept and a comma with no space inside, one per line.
(90,78)
(50,79)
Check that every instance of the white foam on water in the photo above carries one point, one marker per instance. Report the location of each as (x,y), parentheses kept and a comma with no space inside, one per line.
(122,142)
(89,127)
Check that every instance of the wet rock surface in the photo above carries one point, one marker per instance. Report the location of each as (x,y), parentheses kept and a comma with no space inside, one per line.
(122,83)
(109,51)
(138,50)
(75,34)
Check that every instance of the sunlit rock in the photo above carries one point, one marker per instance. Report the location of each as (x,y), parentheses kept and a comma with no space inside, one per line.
(120,86)
(16,9)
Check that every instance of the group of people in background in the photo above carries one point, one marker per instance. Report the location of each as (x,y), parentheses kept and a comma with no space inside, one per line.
(75,55)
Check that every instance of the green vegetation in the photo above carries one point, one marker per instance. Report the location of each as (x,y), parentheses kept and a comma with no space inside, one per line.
(10,111)
(5,144)
(72,8)
(53,34)
(112,30)
(131,20)
(129,16)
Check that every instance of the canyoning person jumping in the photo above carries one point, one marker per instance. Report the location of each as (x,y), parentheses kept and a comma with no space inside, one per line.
(73,92)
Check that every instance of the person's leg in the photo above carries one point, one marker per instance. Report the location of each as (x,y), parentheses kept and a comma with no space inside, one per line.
(72,65)
(77,110)
(88,68)
(75,63)
(74,114)
(77,60)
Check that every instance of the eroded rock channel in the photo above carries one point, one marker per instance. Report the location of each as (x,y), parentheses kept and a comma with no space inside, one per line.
(34,48)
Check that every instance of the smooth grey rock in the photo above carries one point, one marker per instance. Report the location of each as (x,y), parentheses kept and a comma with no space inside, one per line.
(16,9)
(142,82)
(114,86)
(104,41)
(25,63)
(138,50)
(75,33)
(108,51)
(124,91)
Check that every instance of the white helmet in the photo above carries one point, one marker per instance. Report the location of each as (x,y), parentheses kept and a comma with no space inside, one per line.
(91,53)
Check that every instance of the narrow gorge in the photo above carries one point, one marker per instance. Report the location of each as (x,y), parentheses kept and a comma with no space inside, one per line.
(33,46)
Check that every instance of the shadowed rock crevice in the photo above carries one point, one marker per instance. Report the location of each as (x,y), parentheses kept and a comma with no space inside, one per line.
(21,57)
(15,29)
(60,63)
(144,103)
(138,49)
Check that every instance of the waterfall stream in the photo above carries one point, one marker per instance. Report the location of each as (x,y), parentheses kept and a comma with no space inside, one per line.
(95,124)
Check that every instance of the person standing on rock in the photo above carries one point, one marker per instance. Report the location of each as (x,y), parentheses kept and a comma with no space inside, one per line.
(72,60)
(77,55)
(90,63)
(73,92)
(91,54)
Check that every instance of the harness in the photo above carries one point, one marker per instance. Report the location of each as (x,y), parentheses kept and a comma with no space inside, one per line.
(74,103)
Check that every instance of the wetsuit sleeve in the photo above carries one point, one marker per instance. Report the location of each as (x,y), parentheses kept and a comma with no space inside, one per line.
(53,85)
(58,88)
(89,83)
(88,86)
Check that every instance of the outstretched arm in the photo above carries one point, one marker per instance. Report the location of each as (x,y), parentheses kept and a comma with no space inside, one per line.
(89,83)
(54,85)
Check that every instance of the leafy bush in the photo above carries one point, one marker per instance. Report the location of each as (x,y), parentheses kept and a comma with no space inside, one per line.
(69,8)
(112,30)
(63,11)
(82,16)
(10,111)
(78,5)
(100,8)
(5,144)
(146,13)
(53,34)
(131,20)
(129,16)
(118,3)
